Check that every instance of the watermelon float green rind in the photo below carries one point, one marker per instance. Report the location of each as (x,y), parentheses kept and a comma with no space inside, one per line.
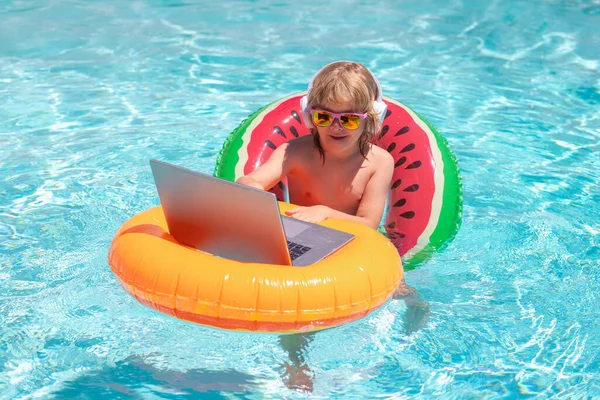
(451,213)
(444,221)
(228,157)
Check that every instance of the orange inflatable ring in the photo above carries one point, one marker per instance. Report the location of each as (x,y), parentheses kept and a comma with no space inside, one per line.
(196,286)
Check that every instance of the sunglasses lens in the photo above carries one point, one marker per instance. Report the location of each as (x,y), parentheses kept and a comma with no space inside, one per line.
(322,118)
(350,121)
(325,118)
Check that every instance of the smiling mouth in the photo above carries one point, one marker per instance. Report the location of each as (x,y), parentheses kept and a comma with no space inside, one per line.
(338,137)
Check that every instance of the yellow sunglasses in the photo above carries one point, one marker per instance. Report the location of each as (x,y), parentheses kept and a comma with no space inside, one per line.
(349,121)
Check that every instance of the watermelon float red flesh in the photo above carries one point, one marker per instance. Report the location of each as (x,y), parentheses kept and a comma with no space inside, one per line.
(252,143)
(425,204)
(413,184)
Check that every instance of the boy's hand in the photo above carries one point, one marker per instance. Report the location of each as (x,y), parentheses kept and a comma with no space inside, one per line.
(404,291)
(312,214)
(417,308)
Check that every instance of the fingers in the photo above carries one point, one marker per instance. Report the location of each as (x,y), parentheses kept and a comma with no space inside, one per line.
(307,214)
(299,213)
(308,217)
(302,217)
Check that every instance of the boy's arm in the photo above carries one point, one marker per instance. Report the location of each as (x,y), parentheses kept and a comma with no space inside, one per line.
(373,199)
(272,171)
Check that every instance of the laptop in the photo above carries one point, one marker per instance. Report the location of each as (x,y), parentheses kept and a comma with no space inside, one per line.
(238,222)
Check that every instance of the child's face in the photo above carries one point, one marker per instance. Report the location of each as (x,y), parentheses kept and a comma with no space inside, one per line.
(335,138)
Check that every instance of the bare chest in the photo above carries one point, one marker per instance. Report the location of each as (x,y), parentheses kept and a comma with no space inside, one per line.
(331,185)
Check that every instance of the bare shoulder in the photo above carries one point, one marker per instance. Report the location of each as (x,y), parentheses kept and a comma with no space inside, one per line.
(302,141)
(300,146)
(292,146)
(380,157)
(295,153)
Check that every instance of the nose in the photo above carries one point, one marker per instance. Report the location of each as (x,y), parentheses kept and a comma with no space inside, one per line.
(336,124)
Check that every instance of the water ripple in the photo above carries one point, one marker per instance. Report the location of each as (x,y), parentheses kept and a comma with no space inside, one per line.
(93,90)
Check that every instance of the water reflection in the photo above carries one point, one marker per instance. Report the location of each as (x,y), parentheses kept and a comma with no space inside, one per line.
(137,377)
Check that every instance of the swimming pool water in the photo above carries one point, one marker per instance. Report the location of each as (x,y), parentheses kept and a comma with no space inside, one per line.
(91,90)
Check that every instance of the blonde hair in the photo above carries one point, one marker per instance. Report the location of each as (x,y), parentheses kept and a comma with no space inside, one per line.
(350,82)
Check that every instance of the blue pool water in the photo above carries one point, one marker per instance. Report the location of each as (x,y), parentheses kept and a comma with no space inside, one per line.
(91,90)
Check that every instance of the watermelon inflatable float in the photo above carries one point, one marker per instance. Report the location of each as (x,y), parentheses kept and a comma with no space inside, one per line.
(425,201)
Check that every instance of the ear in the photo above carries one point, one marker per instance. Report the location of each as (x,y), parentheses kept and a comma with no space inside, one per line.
(306,112)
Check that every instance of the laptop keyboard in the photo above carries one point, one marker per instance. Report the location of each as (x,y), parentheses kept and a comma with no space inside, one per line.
(296,250)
